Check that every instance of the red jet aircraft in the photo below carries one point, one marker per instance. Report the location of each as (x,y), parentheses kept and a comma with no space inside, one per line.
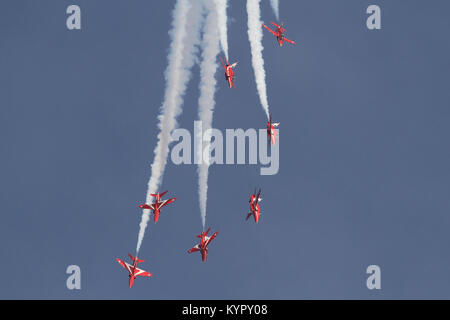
(155,207)
(229,72)
(204,242)
(133,270)
(279,33)
(271,132)
(254,206)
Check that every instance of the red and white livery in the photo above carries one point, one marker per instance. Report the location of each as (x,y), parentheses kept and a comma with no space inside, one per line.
(271,131)
(229,72)
(279,33)
(133,270)
(254,206)
(204,242)
(156,207)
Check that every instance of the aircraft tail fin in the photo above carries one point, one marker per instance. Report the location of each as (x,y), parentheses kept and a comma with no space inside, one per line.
(164,193)
(135,258)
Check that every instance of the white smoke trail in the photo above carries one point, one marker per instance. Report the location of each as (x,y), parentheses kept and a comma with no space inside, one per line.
(255,38)
(208,67)
(275,8)
(221,7)
(185,35)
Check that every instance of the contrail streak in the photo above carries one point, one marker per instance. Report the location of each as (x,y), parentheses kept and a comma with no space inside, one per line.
(255,38)
(275,8)
(221,7)
(208,67)
(185,35)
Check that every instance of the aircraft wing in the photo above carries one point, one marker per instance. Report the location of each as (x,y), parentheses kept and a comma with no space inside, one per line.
(257,197)
(211,238)
(142,273)
(273,32)
(276,25)
(124,264)
(166,202)
(148,206)
(290,41)
(194,249)
(164,193)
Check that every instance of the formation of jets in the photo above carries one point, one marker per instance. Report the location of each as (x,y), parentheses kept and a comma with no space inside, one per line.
(255,198)
(230,77)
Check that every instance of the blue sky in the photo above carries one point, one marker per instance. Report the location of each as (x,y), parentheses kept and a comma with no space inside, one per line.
(364,155)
